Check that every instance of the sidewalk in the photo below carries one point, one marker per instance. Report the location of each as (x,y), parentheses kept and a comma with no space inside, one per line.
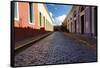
(89,41)
(22,43)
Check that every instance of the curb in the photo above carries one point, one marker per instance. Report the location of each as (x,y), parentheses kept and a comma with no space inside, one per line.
(80,40)
(31,41)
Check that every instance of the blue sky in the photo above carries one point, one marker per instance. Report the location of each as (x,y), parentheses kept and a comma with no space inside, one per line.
(58,12)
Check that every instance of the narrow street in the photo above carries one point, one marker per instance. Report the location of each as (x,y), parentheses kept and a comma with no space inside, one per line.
(54,49)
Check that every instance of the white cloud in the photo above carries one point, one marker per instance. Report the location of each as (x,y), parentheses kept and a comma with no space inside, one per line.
(51,14)
(59,19)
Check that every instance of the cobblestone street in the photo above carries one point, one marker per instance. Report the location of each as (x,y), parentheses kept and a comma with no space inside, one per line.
(54,49)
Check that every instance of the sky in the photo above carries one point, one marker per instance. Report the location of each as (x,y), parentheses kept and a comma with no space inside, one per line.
(58,12)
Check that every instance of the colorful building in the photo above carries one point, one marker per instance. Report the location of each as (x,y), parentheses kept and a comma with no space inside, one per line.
(30,19)
(33,15)
(82,20)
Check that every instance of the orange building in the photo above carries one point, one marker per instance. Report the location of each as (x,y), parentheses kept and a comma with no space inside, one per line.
(27,15)
(31,18)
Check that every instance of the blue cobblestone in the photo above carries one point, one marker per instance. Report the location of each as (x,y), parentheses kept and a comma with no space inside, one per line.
(55,49)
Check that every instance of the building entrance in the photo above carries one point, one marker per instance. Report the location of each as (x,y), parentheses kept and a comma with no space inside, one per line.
(82,24)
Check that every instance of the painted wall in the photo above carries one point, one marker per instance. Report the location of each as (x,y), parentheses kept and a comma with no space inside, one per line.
(22,13)
(89,17)
(48,24)
(23,20)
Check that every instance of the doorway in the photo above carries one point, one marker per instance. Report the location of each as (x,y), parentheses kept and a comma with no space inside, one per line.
(95,21)
(71,27)
(82,24)
(75,25)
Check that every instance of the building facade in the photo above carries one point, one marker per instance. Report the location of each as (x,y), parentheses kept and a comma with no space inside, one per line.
(30,20)
(82,20)
(32,15)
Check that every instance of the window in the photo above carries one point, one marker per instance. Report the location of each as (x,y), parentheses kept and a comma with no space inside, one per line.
(44,20)
(31,12)
(47,21)
(40,19)
(82,8)
(74,14)
(70,18)
(16,14)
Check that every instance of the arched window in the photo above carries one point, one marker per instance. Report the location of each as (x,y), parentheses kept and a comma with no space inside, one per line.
(71,18)
(74,13)
(82,8)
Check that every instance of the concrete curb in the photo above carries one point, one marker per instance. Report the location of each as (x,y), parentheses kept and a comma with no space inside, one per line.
(83,41)
(22,44)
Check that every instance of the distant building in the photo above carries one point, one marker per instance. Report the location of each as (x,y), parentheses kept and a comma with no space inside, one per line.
(32,15)
(82,19)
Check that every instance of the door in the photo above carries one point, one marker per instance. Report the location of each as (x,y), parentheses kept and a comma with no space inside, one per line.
(82,24)
(75,25)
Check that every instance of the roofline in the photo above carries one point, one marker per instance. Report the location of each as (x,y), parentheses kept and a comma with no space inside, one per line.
(48,13)
(55,3)
(68,13)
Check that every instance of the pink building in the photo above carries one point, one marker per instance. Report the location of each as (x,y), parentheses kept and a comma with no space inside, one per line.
(82,19)
(30,19)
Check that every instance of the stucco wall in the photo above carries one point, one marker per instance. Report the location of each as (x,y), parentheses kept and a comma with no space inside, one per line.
(89,24)
(24,22)
(48,25)
(23,15)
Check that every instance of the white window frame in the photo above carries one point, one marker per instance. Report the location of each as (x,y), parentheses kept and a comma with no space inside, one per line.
(32,23)
(16,18)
